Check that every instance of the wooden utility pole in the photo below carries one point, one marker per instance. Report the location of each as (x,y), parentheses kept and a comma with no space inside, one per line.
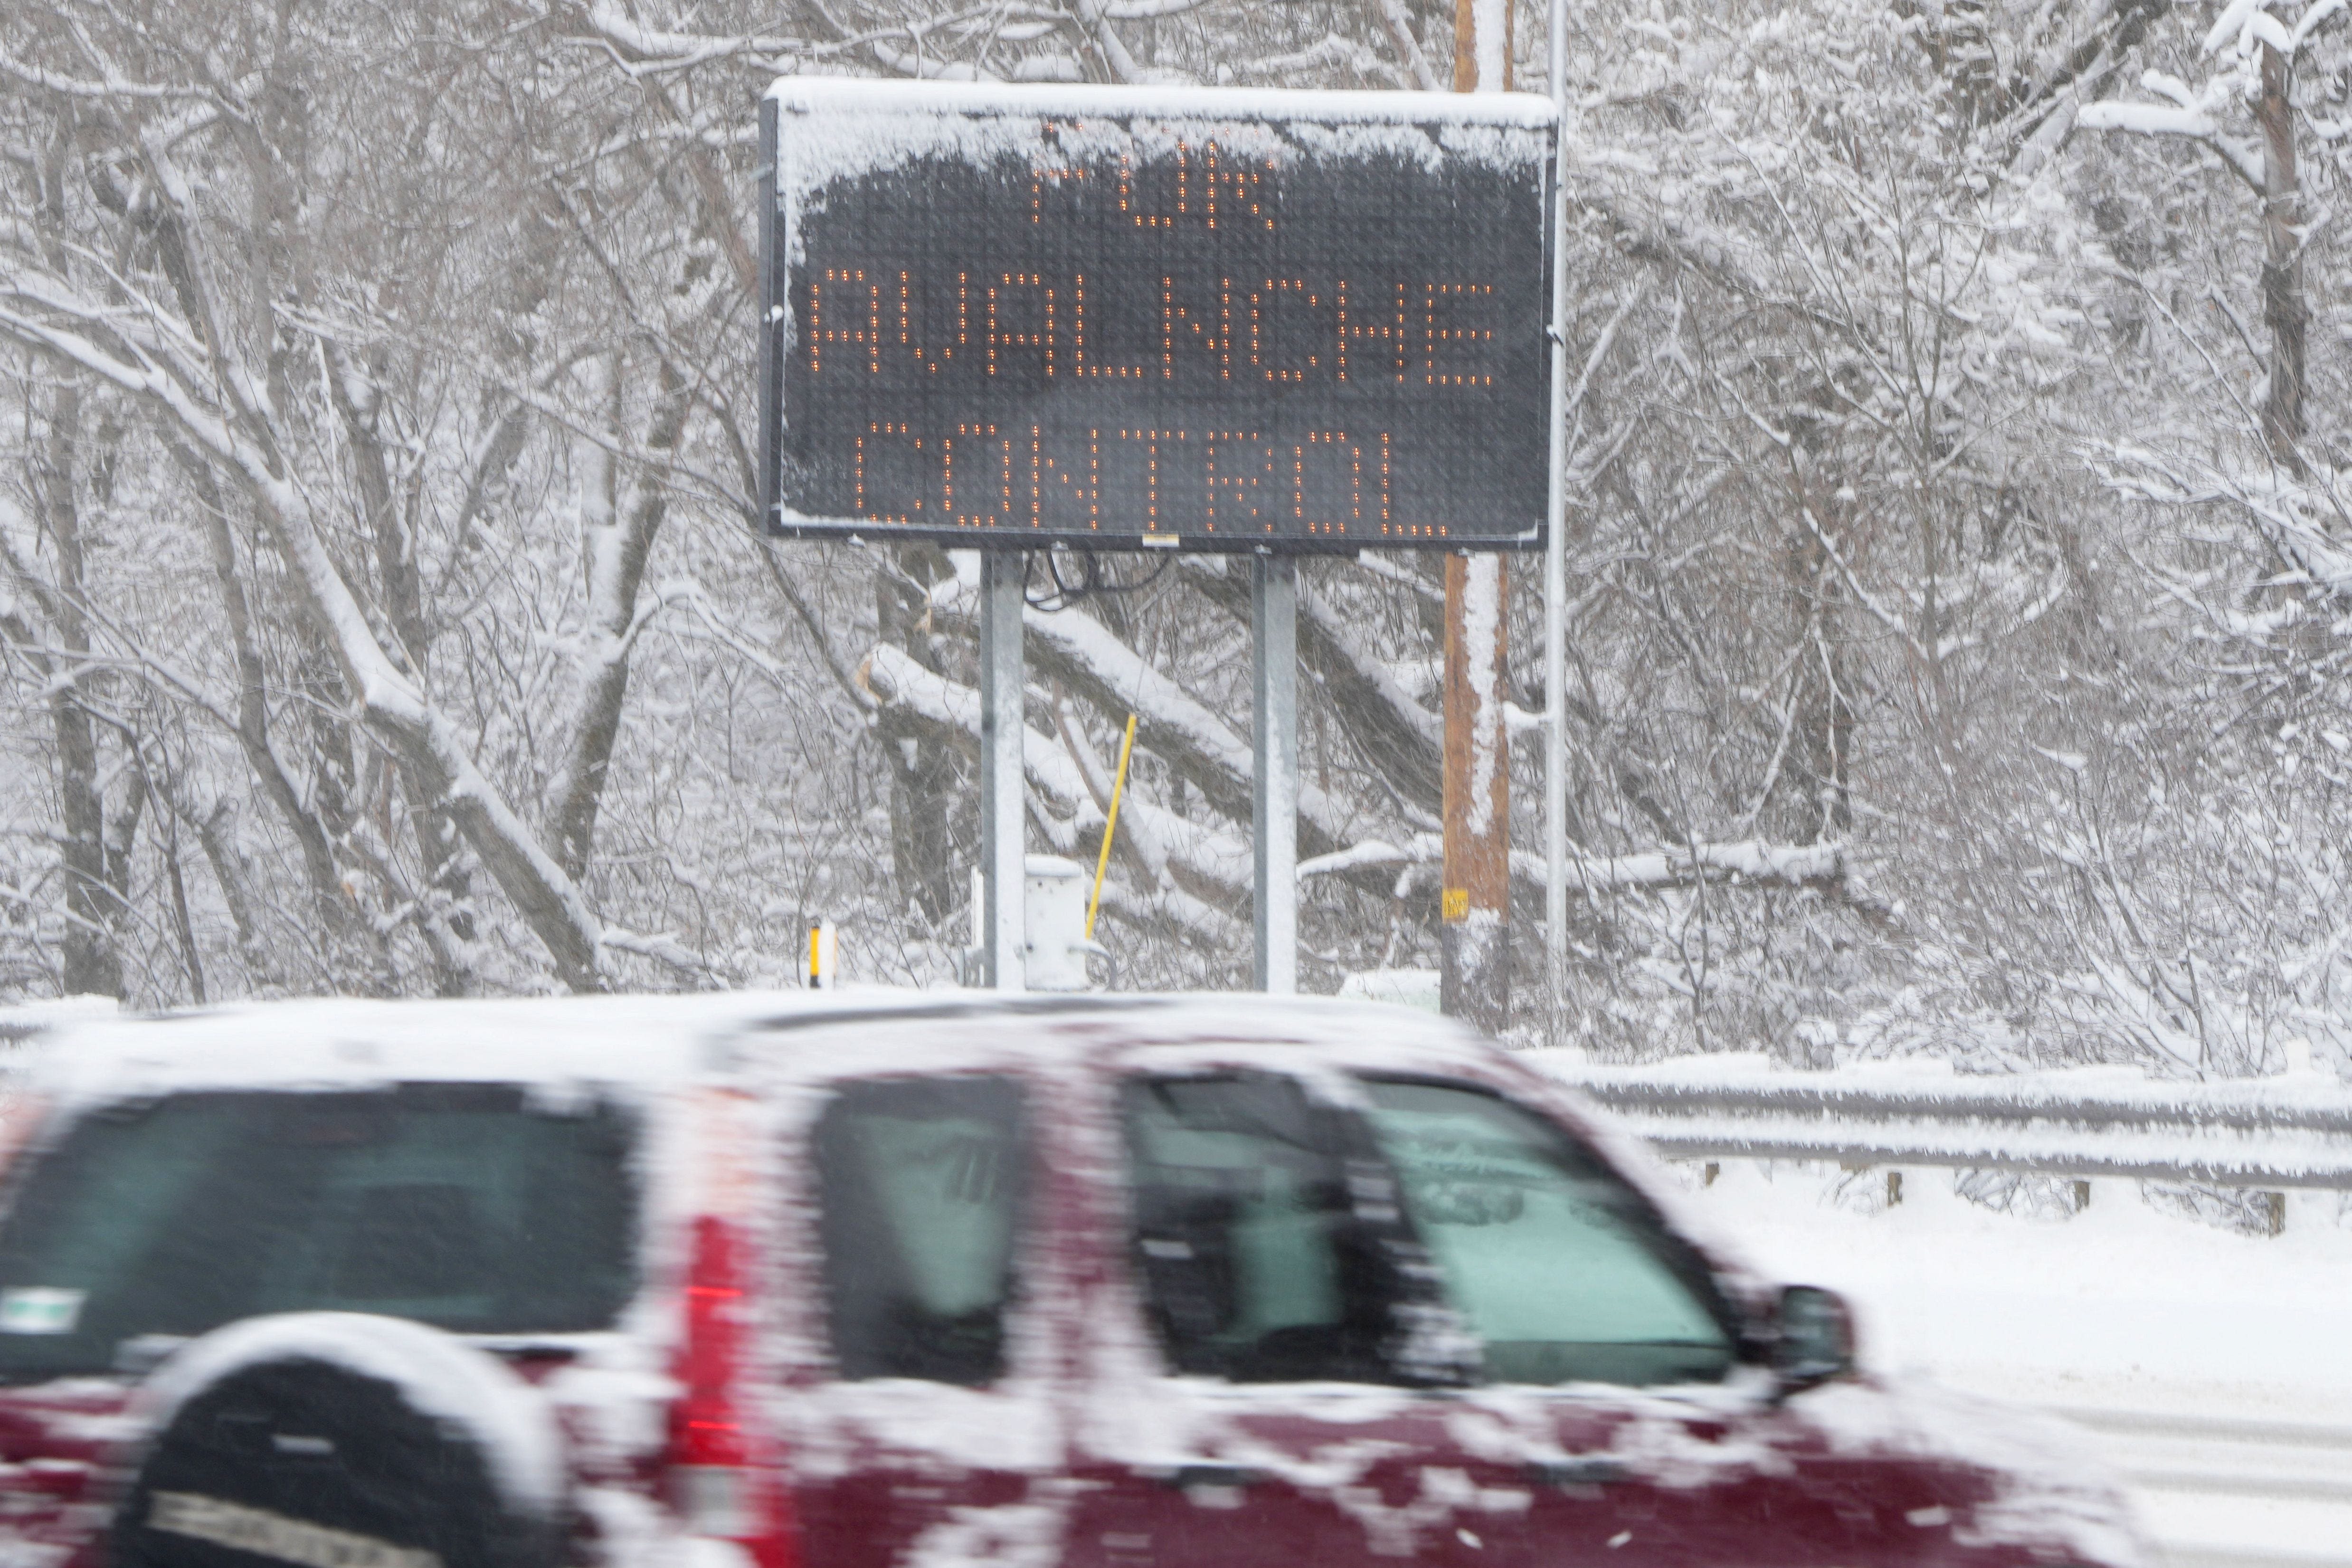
(1476,903)
(2284,310)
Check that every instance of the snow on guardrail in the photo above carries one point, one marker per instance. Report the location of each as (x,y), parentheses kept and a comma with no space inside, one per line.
(2294,1129)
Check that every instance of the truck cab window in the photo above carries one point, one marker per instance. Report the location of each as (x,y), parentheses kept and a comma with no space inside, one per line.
(922,1184)
(1563,1272)
(1257,1264)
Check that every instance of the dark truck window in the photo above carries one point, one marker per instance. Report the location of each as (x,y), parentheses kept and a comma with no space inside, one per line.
(922,1184)
(1260,1237)
(456,1205)
(1562,1271)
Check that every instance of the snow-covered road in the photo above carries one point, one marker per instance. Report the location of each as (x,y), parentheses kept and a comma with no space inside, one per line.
(2214,1370)
(2222,1493)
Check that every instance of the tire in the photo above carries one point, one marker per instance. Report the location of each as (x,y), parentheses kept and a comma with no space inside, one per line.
(277,1443)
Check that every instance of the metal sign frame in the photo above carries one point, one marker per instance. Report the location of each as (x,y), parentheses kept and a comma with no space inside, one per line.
(1274,576)
(843,152)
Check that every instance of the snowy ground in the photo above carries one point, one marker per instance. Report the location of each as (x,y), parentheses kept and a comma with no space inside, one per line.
(2216,1369)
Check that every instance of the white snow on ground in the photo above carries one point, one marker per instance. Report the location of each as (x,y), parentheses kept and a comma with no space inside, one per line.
(2212,1367)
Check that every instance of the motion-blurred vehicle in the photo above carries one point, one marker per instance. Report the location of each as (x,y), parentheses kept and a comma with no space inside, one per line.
(919,1281)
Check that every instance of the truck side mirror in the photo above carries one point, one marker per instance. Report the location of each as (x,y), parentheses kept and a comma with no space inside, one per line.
(1814,1342)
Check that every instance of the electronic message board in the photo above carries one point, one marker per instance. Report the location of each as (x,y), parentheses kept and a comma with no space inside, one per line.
(1103,318)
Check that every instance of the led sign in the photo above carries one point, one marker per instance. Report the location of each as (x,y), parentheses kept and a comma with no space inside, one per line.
(1224,320)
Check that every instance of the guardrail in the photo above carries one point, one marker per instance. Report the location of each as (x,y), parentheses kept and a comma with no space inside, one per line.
(2273,1133)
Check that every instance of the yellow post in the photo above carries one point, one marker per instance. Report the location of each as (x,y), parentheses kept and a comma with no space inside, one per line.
(1110,826)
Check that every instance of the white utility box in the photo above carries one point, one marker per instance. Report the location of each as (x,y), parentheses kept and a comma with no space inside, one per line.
(1053,906)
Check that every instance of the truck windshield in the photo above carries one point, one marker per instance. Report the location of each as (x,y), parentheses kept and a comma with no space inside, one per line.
(1562,1271)
(461,1206)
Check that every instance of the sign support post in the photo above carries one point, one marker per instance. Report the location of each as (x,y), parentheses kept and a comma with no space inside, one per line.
(1003,826)
(1555,968)
(1274,772)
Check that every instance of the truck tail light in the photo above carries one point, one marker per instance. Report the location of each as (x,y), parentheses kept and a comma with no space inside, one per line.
(723,1478)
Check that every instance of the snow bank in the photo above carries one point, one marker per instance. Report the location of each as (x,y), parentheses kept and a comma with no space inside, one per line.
(1415,988)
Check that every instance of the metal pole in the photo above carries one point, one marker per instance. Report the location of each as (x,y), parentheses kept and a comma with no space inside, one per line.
(771,300)
(1555,968)
(1274,772)
(1556,52)
(1002,725)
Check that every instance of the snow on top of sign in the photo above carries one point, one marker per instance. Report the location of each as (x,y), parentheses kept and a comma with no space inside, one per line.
(1059,101)
(839,128)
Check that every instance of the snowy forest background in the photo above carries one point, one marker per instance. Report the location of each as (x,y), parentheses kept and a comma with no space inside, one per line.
(1961,610)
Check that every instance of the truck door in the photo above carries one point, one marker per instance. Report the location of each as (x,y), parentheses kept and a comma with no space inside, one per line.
(1262,1349)
(918,1406)
(1609,1383)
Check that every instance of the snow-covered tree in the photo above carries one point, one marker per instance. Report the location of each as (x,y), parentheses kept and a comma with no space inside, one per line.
(1958,549)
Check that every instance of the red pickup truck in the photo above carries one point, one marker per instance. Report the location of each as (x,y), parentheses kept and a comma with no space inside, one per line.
(920,1280)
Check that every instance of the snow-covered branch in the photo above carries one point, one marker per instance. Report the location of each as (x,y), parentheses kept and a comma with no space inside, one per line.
(2193,120)
(1194,865)
(73,332)
(1748,860)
